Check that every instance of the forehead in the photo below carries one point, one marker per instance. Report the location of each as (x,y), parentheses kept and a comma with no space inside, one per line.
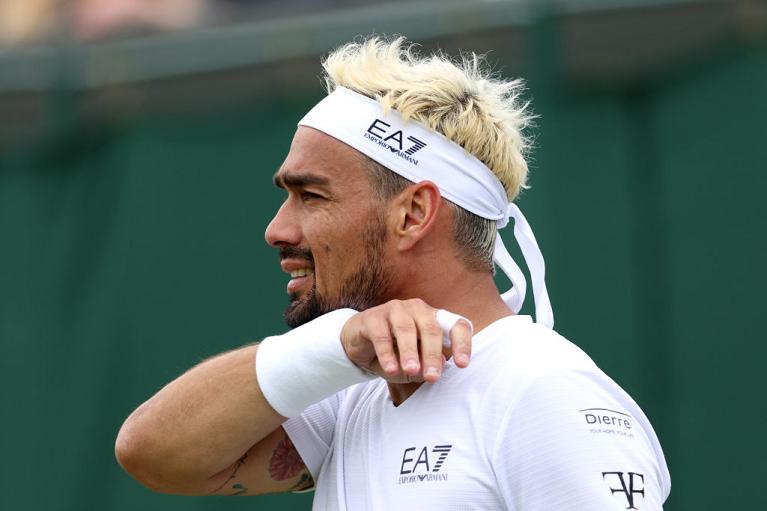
(315,154)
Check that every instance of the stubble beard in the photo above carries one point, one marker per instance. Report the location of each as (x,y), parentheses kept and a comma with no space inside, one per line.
(365,288)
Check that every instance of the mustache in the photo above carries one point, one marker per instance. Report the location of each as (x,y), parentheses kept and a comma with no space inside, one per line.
(296,253)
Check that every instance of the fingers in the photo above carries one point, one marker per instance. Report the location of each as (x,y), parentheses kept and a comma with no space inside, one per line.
(378,332)
(404,330)
(407,342)
(430,334)
(458,332)
(460,337)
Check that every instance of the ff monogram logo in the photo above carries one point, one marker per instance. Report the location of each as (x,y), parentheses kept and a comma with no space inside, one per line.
(394,141)
(629,491)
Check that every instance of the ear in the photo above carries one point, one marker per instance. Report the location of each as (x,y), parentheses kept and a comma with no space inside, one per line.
(415,211)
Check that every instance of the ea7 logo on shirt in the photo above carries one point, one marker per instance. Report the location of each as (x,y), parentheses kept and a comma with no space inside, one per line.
(394,141)
(422,464)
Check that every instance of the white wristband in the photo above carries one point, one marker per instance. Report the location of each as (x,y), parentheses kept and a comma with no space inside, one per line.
(307,364)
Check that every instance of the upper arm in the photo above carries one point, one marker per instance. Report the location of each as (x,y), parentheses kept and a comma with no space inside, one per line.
(272,465)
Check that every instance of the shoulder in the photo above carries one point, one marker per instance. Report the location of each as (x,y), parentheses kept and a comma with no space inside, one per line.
(526,366)
(521,351)
(526,369)
(557,404)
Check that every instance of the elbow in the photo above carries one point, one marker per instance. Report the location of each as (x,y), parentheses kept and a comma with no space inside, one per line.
(133,451)
(127,451)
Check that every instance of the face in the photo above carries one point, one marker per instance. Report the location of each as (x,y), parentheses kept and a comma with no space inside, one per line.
(330,232)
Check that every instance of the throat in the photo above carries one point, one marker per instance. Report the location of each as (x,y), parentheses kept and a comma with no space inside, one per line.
(400,392)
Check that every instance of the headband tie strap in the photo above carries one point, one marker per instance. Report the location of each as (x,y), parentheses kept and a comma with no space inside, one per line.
(418,153)
(535,263)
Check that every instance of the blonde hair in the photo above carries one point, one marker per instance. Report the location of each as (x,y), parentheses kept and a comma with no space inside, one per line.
(459,99)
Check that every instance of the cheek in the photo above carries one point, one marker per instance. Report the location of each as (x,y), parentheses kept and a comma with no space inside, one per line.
(334,260)
(326,263)
(337,247)
(328,266)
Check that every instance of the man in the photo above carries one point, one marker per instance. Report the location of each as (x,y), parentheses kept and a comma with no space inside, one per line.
(396,185)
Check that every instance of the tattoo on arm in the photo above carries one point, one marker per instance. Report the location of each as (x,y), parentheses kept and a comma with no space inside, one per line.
(239,488)
(286,463)
(304,483)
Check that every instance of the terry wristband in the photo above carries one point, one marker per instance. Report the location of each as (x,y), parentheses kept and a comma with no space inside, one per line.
(307,364)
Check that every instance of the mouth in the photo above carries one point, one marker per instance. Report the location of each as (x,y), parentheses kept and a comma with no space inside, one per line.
(300,279)
(299,264)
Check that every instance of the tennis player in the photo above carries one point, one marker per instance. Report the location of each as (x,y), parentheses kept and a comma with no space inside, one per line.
(408,382)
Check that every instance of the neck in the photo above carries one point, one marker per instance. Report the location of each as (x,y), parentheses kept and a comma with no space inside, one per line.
(472,295)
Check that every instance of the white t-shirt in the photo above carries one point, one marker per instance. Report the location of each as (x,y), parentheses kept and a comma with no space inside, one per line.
(531,424)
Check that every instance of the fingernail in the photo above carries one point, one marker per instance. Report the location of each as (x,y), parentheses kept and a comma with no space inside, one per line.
(462,358)
(431,371)
(411,365)
(390,367)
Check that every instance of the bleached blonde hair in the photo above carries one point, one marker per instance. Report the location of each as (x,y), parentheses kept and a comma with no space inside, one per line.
(458,98)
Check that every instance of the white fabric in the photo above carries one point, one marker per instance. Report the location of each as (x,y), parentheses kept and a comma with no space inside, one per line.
(447,321)
(411,150)
(532,254)
(418,153)
(531,425)
(307,364)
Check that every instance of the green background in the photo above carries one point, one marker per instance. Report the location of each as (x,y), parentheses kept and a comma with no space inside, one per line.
(131,247)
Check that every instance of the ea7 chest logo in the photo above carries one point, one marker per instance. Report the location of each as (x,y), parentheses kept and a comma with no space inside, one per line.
(395,141)
(423,464)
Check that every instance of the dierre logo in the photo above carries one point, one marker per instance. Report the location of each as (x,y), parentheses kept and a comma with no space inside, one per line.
(378,133)
(425,465)
(607,421)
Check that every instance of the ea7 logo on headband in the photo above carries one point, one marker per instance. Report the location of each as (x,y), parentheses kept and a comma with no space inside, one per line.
(377,132)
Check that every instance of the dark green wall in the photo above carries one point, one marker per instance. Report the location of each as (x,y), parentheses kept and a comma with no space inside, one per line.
(132,249)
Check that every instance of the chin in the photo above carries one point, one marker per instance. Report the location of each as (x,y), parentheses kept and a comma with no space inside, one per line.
(301,310)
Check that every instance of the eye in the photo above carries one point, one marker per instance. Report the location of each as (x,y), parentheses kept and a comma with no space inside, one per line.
(310,196)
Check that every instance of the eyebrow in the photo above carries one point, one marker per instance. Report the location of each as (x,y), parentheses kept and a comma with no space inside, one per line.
(298,180)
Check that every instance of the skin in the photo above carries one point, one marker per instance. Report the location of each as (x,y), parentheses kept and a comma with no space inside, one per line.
(211,431)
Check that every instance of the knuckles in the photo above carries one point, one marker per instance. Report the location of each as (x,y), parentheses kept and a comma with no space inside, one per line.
(380,338)
(417,303)
(371,338)
(431,328)
(402,327)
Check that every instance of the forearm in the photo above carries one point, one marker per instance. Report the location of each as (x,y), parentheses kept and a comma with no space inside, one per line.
(197,425)
(190,437)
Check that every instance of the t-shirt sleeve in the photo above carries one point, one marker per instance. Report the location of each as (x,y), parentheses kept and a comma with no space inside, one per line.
(575,440)
(312,431)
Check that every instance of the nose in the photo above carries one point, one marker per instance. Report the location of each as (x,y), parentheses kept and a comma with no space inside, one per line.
(283,229)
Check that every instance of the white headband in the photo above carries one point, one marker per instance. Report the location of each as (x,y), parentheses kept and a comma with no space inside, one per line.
(418,153)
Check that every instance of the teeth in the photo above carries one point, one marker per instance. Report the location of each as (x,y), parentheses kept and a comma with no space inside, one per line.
(301,272)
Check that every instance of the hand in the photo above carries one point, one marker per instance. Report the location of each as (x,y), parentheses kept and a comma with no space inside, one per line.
(401,341)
